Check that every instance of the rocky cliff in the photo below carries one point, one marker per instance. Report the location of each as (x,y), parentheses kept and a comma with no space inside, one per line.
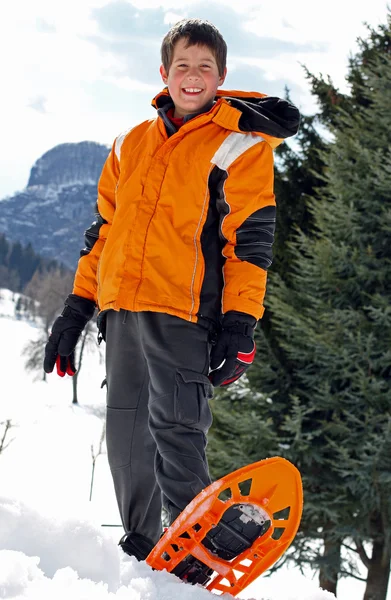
(58,202)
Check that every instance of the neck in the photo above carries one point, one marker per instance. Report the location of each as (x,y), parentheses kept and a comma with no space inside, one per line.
(204,109)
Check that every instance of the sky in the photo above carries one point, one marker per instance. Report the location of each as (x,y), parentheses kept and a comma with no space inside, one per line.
(54,541)
(88,69)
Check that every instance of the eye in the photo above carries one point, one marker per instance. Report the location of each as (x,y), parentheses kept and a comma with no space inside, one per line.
(205,66)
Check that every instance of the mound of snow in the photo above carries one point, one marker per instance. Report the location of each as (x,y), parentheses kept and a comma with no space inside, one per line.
(48,555)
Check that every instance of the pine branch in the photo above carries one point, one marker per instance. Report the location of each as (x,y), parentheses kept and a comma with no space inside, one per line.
(350,574)
(349,548)
(362,553)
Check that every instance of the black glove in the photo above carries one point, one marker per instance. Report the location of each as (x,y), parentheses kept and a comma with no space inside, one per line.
(65,334)
(234,350)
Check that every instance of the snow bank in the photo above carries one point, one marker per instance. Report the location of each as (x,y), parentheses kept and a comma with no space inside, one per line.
(48,555)
(59,541)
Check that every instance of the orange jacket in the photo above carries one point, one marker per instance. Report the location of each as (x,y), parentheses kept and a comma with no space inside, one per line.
(185,220)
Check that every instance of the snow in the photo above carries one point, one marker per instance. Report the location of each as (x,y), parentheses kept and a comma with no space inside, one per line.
(54,541)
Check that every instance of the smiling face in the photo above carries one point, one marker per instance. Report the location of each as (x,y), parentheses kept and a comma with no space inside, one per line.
(193,78)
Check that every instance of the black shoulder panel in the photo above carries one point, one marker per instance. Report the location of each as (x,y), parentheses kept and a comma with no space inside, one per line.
(255,237)
(271,115)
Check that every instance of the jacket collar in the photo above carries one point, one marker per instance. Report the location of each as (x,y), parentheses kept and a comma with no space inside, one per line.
(170,127)
(247,112)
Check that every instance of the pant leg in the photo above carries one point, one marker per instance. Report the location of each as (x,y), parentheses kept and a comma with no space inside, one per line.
(177,353)
(130,447)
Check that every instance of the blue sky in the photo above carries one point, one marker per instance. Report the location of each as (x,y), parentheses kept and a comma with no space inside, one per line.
(88,69)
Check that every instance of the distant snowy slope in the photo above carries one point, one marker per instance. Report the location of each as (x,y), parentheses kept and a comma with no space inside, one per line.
(54,542)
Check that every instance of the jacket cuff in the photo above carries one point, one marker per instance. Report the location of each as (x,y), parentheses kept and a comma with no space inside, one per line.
(83,306)
(232,302)
(234,316)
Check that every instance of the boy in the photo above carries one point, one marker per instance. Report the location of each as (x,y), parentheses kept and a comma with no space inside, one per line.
(176,261)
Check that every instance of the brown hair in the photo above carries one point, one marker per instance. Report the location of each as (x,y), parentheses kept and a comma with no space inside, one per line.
(197,32)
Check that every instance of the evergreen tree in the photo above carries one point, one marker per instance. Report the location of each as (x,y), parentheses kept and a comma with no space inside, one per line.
(19,263)
(3,249)
(298,174)
(238,430)
(334,325)
(15,258)
(330,99)
(29,264)
(326,369)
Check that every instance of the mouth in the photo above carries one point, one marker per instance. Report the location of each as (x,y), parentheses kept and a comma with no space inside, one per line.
(192,91)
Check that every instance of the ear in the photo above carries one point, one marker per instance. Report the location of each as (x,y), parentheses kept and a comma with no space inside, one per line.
(222,78)
(163,74)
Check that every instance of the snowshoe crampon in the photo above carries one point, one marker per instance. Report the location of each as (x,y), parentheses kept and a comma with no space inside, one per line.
(235,529)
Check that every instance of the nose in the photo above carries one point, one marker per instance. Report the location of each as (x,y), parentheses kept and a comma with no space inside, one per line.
(193,74)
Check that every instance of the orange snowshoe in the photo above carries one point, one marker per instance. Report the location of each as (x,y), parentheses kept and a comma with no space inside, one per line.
(235,529)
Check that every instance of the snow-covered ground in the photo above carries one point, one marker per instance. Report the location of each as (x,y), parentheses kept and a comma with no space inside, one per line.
(54,541)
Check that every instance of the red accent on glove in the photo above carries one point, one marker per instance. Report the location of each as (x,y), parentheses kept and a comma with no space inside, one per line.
(70,371)
(60,367)
(60,372)
(247,357)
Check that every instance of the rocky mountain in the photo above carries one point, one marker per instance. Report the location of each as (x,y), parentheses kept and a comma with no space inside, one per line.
(58,202)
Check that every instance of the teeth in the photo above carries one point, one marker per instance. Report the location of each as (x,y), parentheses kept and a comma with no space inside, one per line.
(193,90)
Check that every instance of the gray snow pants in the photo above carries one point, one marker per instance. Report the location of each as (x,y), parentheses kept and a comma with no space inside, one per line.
(158,415)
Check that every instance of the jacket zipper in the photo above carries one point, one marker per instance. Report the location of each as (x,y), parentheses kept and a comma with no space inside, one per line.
(196,244)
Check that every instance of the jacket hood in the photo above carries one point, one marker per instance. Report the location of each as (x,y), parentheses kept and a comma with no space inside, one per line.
(250,112)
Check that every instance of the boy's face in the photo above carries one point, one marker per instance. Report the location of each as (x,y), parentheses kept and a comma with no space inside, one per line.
(193,78)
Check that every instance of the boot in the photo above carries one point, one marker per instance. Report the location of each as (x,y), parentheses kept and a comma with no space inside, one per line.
(137,545)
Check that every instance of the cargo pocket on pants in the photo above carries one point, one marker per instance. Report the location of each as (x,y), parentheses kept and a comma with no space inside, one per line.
(119,436)
(192,394)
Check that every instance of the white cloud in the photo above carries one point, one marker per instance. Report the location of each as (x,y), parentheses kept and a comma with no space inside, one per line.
(171,18)
(127,83)
(334,24)
(39,104)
